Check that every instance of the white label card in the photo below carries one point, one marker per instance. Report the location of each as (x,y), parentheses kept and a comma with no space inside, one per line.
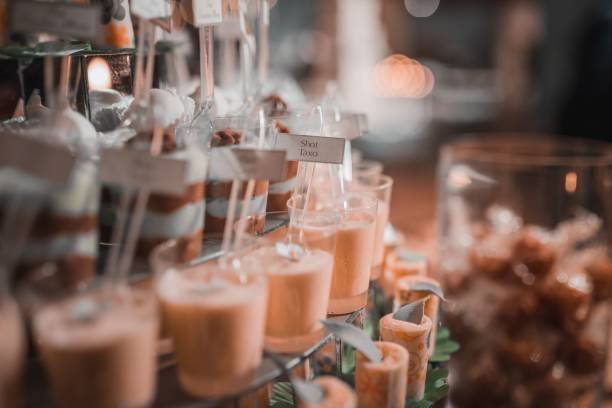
(151,9)
(138,169)
(311,148)
(53,163)
(62,19)
(207,12)
(245,164)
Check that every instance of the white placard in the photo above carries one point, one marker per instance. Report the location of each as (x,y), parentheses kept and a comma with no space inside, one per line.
(62,19)
(140,170)
(311,148)
(207,12)
(244,164)
(52,163)
(229,29)
(151,9)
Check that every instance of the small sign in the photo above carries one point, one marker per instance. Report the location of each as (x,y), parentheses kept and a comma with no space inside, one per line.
(62,19)
(151,9)
(138,169)
(345,126)
(316,149)
(52,163)
(207,12)
(229,163)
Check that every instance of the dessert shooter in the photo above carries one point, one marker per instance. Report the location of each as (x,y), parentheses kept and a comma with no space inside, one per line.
(299,271)
(99,348)
(414,338)
(337,394)
(12,353)
(405,293)
(354,252)
(215,313)
(367,171)
(382,385)
(402,263)
(233,131)
(381,189)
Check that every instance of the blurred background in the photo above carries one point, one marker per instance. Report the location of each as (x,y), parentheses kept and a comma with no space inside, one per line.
(426,71)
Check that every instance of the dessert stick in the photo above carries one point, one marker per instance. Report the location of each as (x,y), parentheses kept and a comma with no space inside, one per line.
(48,75)
(150,59)
(207,86)
(264,49)
(229,221)
(125,261)
(142,28)
(247,49)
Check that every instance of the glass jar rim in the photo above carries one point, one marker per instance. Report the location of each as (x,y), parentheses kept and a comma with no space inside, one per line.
(529,149)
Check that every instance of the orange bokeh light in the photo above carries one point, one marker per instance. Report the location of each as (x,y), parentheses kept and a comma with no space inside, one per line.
(398,76)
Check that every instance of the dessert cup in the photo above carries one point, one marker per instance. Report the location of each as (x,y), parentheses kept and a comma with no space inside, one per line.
(100,348)
(12,353)
(382,385)
(415,339)
(353,255)
(215,313)
(337,394)
(381,188)
(404,294)
(402,263)
(298,284)
(367,171)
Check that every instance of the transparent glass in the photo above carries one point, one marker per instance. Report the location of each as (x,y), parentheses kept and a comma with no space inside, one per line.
(215,313)
(354,252)
(524,261)
(381,188)
(99,347)
(367,171)
(298,261)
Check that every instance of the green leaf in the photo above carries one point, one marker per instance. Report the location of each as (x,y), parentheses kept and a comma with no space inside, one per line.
(438,393)
(443,334)
(282,395)
(447,347)
(439,358)
(418,404)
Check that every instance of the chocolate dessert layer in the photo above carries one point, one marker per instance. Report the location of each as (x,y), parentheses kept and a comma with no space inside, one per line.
(222,189)
(71,270)
(49,225)
(189,246)
(163,203)
(216,225)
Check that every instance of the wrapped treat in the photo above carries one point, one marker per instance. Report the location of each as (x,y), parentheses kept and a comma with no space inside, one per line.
(412,288)
(600,271)
(404,263)
(337,394)
(382,385)
(534,249)
(414,338)
(218,192)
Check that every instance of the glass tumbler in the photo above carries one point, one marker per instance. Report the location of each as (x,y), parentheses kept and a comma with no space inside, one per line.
(215,314)
(524,260)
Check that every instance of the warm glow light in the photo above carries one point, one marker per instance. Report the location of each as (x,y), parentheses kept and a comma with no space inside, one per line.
(99,74)
(571,182)
(398,76)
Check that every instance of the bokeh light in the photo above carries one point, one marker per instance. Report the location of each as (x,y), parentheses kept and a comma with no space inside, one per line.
(398,76)
(99,74)
(421,8)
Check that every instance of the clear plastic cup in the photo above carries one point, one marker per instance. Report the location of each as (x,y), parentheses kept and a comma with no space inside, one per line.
(100,348)
(367,171)
(215,312)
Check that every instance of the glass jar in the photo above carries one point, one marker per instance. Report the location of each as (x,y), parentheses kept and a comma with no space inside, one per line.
(523,258)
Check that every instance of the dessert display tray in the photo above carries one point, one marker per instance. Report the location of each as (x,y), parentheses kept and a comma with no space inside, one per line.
(169,393)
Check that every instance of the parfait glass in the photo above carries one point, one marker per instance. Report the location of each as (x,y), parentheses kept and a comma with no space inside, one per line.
(523,257)
(215,313)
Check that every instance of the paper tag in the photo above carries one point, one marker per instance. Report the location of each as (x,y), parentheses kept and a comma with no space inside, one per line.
(207,12)
(229,29)
(62,19)
(150,9)
(244,164)
(355,337)
(52,163)
(347,126)
(138,169)
(311,148)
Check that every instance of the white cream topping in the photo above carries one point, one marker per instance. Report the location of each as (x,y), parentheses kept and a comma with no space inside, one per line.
(197,163)
(59,246)
(185,221)
(82,194)
(282,187)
